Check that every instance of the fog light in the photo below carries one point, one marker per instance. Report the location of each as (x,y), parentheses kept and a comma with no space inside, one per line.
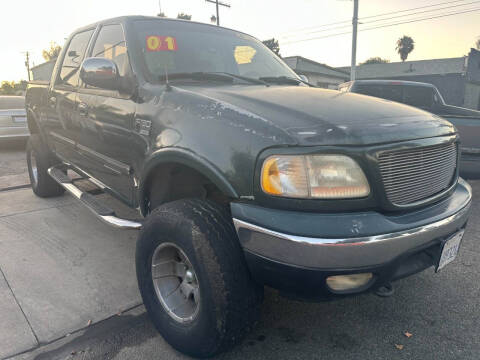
(348,282)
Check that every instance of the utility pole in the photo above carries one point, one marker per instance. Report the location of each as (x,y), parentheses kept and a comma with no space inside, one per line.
(27,64)
(217,5)
(354,39)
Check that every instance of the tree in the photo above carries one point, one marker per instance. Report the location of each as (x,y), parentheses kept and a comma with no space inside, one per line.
(272,44)
(20,86)
(53,52)
(184,16)
(375,60)
(7,88)
(477,44)
(405,46)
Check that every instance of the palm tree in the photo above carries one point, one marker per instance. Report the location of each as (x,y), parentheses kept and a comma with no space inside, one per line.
(405,46)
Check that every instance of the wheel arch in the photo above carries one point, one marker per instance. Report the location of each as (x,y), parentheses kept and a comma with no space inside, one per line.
(185,159)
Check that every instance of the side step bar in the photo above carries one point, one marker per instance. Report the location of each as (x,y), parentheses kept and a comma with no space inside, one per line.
(105,214)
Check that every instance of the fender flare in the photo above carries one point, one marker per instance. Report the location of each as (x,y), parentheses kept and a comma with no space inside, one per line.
(32,117)
(187,158)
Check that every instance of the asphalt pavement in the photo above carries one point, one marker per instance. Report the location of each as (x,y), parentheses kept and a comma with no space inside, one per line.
(68,291)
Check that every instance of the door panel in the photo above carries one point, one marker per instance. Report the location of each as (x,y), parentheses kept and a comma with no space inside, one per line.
(105,142)
(61,127)
(107,120)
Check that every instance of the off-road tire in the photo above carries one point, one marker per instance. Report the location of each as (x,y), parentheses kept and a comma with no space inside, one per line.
(43,185)
(230,299)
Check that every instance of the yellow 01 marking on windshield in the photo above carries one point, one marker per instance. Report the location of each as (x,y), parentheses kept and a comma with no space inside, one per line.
(161,43)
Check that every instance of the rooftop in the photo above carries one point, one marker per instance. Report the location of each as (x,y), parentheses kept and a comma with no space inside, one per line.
(410,68)
(301,64)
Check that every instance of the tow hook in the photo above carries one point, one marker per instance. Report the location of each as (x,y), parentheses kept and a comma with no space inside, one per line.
(386,290)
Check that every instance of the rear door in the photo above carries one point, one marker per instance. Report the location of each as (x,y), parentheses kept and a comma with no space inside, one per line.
(108,119)
(61,125)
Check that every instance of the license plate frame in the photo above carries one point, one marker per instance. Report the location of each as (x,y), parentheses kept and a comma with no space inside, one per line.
(450,249)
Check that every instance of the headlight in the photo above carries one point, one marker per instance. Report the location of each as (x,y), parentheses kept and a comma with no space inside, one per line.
(314,176)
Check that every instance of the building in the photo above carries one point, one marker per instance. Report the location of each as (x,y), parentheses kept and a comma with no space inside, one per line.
(318,74)
(43,72)
(458,79)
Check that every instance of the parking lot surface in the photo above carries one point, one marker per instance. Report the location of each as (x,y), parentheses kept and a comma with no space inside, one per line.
(68,291)
(13,166)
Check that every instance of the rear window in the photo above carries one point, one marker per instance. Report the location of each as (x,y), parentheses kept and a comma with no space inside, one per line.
(389,92)
(418,96)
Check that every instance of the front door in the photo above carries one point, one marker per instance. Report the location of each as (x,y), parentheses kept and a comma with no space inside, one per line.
(108,119)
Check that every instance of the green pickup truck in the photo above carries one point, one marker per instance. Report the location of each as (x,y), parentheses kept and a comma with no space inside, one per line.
(244,175)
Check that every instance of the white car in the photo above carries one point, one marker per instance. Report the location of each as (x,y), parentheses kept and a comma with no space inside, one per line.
(13,118)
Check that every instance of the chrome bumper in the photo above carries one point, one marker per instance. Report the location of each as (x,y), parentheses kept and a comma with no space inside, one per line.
(348,252)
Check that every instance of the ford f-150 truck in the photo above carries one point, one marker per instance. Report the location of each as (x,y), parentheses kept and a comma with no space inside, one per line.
(427,97)
(244,174)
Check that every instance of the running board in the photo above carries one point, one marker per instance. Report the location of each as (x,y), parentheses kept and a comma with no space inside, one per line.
(102,211)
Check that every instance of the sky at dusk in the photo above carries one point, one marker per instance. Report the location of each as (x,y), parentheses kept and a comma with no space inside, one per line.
(32,24)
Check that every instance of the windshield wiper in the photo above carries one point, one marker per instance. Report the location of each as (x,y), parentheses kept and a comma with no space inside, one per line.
(196,76)
(245,78)
(214,76)
(284,80)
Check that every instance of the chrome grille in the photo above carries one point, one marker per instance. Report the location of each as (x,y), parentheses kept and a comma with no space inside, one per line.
(417,174)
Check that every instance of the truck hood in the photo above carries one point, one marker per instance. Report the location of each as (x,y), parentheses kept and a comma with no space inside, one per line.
(313,116)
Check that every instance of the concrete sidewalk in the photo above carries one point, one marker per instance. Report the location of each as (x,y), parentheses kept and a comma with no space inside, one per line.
(61,269)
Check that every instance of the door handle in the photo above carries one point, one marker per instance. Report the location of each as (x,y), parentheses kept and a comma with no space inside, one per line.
(83,109)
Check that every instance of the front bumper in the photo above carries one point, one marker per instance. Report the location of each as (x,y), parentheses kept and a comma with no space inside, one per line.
(296,251)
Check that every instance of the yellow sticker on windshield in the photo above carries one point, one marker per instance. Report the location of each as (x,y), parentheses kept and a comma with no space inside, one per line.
(244,54)
(161,43)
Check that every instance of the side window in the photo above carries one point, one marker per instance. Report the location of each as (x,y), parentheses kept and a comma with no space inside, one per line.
(110,44)
(73,59)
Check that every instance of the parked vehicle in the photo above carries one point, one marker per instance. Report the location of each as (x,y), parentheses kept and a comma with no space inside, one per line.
(13,118)
(245,175)
(427,97)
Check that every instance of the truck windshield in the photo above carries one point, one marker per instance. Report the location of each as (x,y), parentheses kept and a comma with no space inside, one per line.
(180,47)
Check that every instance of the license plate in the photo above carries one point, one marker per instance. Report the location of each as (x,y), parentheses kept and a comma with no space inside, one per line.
(450,250)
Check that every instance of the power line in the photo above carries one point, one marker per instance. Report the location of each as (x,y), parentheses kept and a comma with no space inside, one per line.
(384,19)
(301,30)
(422,12)
(411,9)
(382,26)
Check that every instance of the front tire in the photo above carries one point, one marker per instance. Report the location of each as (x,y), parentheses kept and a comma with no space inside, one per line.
(39,159)
(193,278)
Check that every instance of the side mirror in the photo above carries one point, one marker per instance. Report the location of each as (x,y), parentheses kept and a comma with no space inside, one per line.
(101,73)
(304,78)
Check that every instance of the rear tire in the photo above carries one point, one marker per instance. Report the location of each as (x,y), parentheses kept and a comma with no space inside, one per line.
(39,159)
(228,300)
